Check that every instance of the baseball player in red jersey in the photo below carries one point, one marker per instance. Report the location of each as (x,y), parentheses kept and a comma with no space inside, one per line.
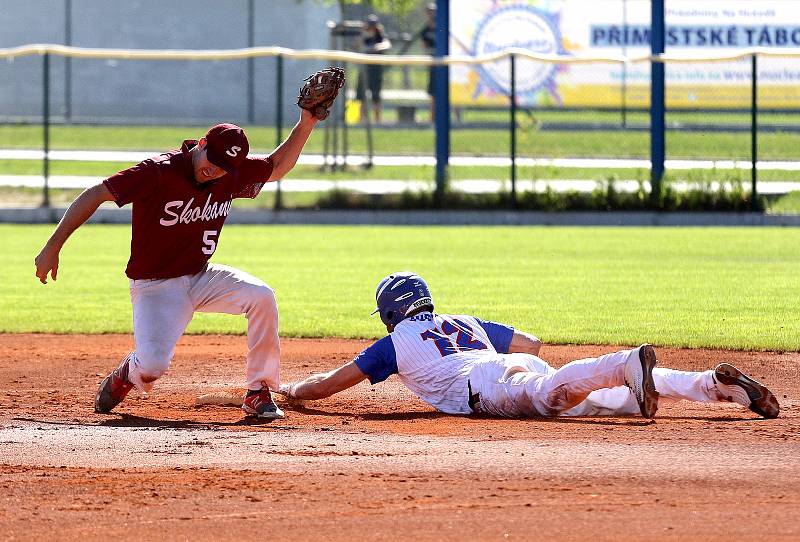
(180,202)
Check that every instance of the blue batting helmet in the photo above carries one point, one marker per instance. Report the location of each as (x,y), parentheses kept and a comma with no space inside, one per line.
(400,294)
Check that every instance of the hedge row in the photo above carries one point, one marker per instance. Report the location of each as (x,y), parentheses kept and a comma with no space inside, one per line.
(725,197)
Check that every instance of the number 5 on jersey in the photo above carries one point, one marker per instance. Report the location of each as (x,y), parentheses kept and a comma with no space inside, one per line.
(209,243)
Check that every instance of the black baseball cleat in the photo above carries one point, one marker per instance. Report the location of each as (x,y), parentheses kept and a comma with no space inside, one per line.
(113,388)
(639,378)
(739,388)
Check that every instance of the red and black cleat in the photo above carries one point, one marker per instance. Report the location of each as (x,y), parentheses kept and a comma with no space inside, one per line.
(259,403)
(113,388)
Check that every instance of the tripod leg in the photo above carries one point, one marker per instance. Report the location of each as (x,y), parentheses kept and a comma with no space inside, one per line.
(343,110)
(368,163)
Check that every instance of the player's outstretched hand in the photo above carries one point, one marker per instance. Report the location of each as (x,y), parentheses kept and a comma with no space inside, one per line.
(319,91)
(285,390)
(46,263)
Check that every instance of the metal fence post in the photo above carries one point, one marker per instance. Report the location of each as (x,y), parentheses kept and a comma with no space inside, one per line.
(333,123)
(657,144)
(624,65)
(46,126)
(513,128)
(754,133)
(251,64)
(366,106)
(278,122)
(442,98)
(67,62)
(343,106)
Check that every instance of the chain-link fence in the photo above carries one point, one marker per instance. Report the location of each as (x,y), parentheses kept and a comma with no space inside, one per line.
(578,137)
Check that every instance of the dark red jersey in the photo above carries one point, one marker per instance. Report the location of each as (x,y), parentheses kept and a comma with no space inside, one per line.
(176,221)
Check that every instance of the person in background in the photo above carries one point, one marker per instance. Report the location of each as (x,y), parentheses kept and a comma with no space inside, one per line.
(370,77)
(428,36)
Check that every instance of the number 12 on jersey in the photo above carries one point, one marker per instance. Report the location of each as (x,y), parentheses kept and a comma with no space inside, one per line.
(465,338)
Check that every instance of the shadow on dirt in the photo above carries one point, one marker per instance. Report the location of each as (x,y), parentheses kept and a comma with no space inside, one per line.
(128,420)
(634,421)
(390,416)
(720,419)
(606,421)
(370,416)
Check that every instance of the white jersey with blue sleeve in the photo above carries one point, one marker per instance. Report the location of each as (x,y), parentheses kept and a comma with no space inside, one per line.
(433,355)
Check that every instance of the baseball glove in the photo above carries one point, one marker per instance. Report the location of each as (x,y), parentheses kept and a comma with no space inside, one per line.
(320,90)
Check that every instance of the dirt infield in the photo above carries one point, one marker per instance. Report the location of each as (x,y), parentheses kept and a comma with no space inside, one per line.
(375,463)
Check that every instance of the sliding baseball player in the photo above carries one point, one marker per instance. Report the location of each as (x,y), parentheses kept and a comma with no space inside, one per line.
(461,364)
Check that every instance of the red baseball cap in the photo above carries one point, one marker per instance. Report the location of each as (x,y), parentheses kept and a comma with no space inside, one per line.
(227,146)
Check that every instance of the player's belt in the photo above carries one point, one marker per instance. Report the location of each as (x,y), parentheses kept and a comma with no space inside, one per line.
(474,399)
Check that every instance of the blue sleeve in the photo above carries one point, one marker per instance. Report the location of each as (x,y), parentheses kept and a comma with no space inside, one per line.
(499,334)
(379,361)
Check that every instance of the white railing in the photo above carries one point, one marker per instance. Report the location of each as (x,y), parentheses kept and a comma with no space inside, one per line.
(361,58)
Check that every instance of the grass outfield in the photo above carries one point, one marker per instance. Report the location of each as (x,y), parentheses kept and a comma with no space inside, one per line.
(697,287)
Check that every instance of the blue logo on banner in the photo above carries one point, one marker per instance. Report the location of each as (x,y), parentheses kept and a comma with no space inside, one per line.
(523,27)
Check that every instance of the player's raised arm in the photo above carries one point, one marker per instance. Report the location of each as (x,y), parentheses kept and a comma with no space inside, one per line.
(316,98)
(77,213)
(322,385)
(285,156)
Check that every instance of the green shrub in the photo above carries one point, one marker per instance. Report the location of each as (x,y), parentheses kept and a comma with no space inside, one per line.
(728,196)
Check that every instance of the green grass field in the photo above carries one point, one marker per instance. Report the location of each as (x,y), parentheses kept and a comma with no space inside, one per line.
(697,287)
(530,141)
(789,203)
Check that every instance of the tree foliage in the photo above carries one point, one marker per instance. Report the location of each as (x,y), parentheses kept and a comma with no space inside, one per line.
(398,8)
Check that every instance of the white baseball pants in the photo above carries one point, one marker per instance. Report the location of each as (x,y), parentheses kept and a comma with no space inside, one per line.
(523,385)
(162,308)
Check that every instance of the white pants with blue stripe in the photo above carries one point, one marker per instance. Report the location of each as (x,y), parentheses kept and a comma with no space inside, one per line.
(523,385)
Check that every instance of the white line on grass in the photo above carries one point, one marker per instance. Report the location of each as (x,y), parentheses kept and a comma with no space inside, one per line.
(359,160)
(379,186)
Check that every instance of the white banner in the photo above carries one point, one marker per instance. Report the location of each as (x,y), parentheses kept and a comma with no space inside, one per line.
(603,27)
